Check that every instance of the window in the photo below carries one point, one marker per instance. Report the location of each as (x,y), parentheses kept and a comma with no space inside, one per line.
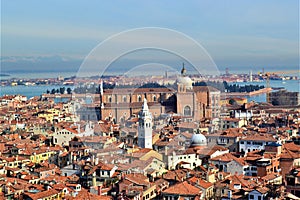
(187,111)
(109,99)
(251,196)
(139,98)
(124,99)
(154,98)
(259,197)
(258,143)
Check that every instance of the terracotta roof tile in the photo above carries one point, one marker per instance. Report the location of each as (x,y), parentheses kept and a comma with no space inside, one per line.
(183,188)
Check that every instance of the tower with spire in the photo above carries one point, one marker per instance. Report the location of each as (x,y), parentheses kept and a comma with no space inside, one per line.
(101,93)
(183,70)
(145,127)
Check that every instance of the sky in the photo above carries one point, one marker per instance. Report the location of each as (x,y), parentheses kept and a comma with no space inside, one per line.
(59,34)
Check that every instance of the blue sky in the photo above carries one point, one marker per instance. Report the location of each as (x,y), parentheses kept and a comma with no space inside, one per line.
(235,33)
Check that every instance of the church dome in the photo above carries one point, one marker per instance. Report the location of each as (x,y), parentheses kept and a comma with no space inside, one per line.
(185,81)
(198,140)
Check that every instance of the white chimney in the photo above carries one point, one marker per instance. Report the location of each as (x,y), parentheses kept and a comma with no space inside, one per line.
(229,194)
(166,150)
(78,128)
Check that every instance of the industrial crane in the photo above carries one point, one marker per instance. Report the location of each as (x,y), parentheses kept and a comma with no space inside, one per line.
(267,75)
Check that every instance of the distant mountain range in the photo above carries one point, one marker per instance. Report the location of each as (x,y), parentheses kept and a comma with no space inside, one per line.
(55,63)
(38,64)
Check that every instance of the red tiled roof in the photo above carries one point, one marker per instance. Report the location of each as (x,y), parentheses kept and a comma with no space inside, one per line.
(137,178)
(42,194)
(260,137)
(202,183)
(228,157)
(183,188)
(292,147)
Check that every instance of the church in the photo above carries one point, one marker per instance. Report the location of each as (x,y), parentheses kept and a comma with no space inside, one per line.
(193,102)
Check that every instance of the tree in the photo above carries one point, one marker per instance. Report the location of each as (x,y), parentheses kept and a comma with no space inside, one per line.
(232,102)
(69,90)
(48,92)
(53,91)
(62,90)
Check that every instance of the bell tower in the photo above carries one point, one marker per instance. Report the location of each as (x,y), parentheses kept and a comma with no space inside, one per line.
(145,127)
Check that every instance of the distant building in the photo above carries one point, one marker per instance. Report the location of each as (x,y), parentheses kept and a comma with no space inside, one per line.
(259,193)
(145,127)
(196,102)
(284,98)
(293,181)
(255,142)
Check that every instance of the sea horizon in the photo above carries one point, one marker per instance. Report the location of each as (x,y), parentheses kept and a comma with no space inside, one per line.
(30,74)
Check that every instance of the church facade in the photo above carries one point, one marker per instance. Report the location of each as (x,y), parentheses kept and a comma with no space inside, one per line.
(195,102)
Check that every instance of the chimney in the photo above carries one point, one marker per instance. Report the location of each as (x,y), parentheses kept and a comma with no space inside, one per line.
(94,180)
(93,159)
(229,194)
(99,190)
(166,150)
(78,128)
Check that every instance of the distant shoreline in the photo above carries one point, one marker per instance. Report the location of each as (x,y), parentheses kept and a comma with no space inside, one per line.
(2,74)
(253,93)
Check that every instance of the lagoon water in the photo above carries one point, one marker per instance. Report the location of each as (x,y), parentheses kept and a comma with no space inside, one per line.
(37,90)
(289,85)
(29,91)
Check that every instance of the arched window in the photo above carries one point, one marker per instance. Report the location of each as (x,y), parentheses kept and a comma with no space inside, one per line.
(187,111)
(124,99)
(154,98)
(109,99)
(139,98)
